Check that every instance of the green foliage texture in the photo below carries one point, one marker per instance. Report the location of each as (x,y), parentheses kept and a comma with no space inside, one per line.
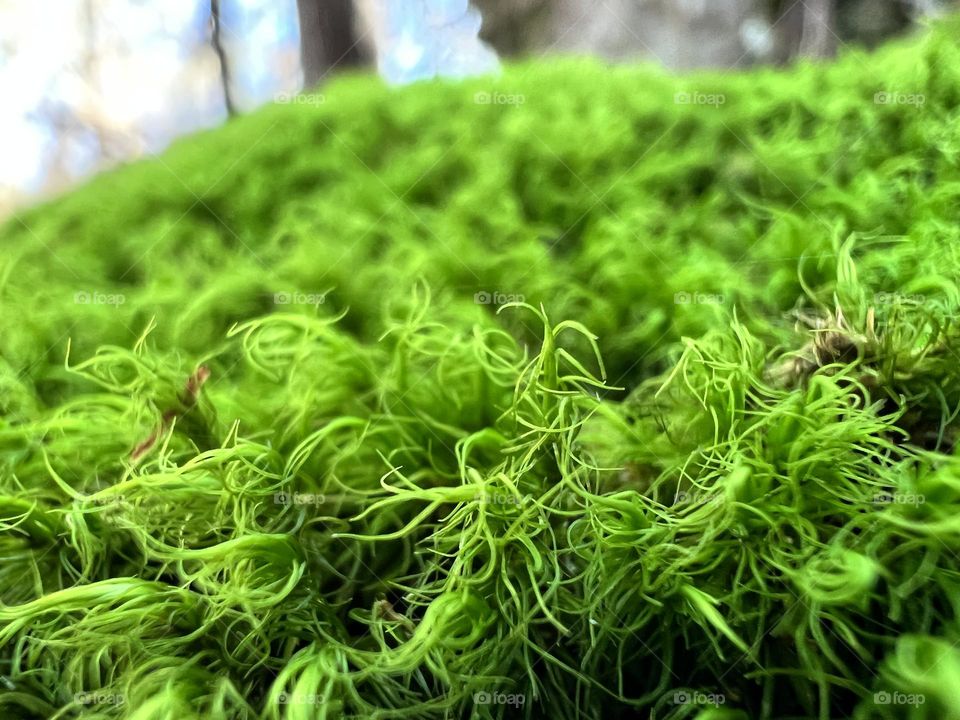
(577,392)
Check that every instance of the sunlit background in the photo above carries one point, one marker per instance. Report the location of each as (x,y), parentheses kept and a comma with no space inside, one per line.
(87,84)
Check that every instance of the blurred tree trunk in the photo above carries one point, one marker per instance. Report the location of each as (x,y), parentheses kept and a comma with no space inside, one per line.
(216,40)
(327,38)
(679,34)
(807,29)
(819,37)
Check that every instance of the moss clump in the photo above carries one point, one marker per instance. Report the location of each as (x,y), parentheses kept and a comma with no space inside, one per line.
(304,460)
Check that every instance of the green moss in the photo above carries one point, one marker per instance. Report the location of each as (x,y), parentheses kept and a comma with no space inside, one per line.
(387,499)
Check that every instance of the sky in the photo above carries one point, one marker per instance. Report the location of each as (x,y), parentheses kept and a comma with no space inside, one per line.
(142,72)
(112,80)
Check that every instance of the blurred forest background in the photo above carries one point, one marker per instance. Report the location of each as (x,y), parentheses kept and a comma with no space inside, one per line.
(88,84)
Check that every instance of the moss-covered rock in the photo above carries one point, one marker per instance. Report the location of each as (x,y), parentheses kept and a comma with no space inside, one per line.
(307,417)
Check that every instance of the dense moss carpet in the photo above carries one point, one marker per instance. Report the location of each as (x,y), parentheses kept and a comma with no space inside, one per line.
(307,416)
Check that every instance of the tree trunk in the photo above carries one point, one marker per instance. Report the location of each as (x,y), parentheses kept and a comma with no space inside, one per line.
(217,42)
(807,29)
(327,38)
(818,39)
